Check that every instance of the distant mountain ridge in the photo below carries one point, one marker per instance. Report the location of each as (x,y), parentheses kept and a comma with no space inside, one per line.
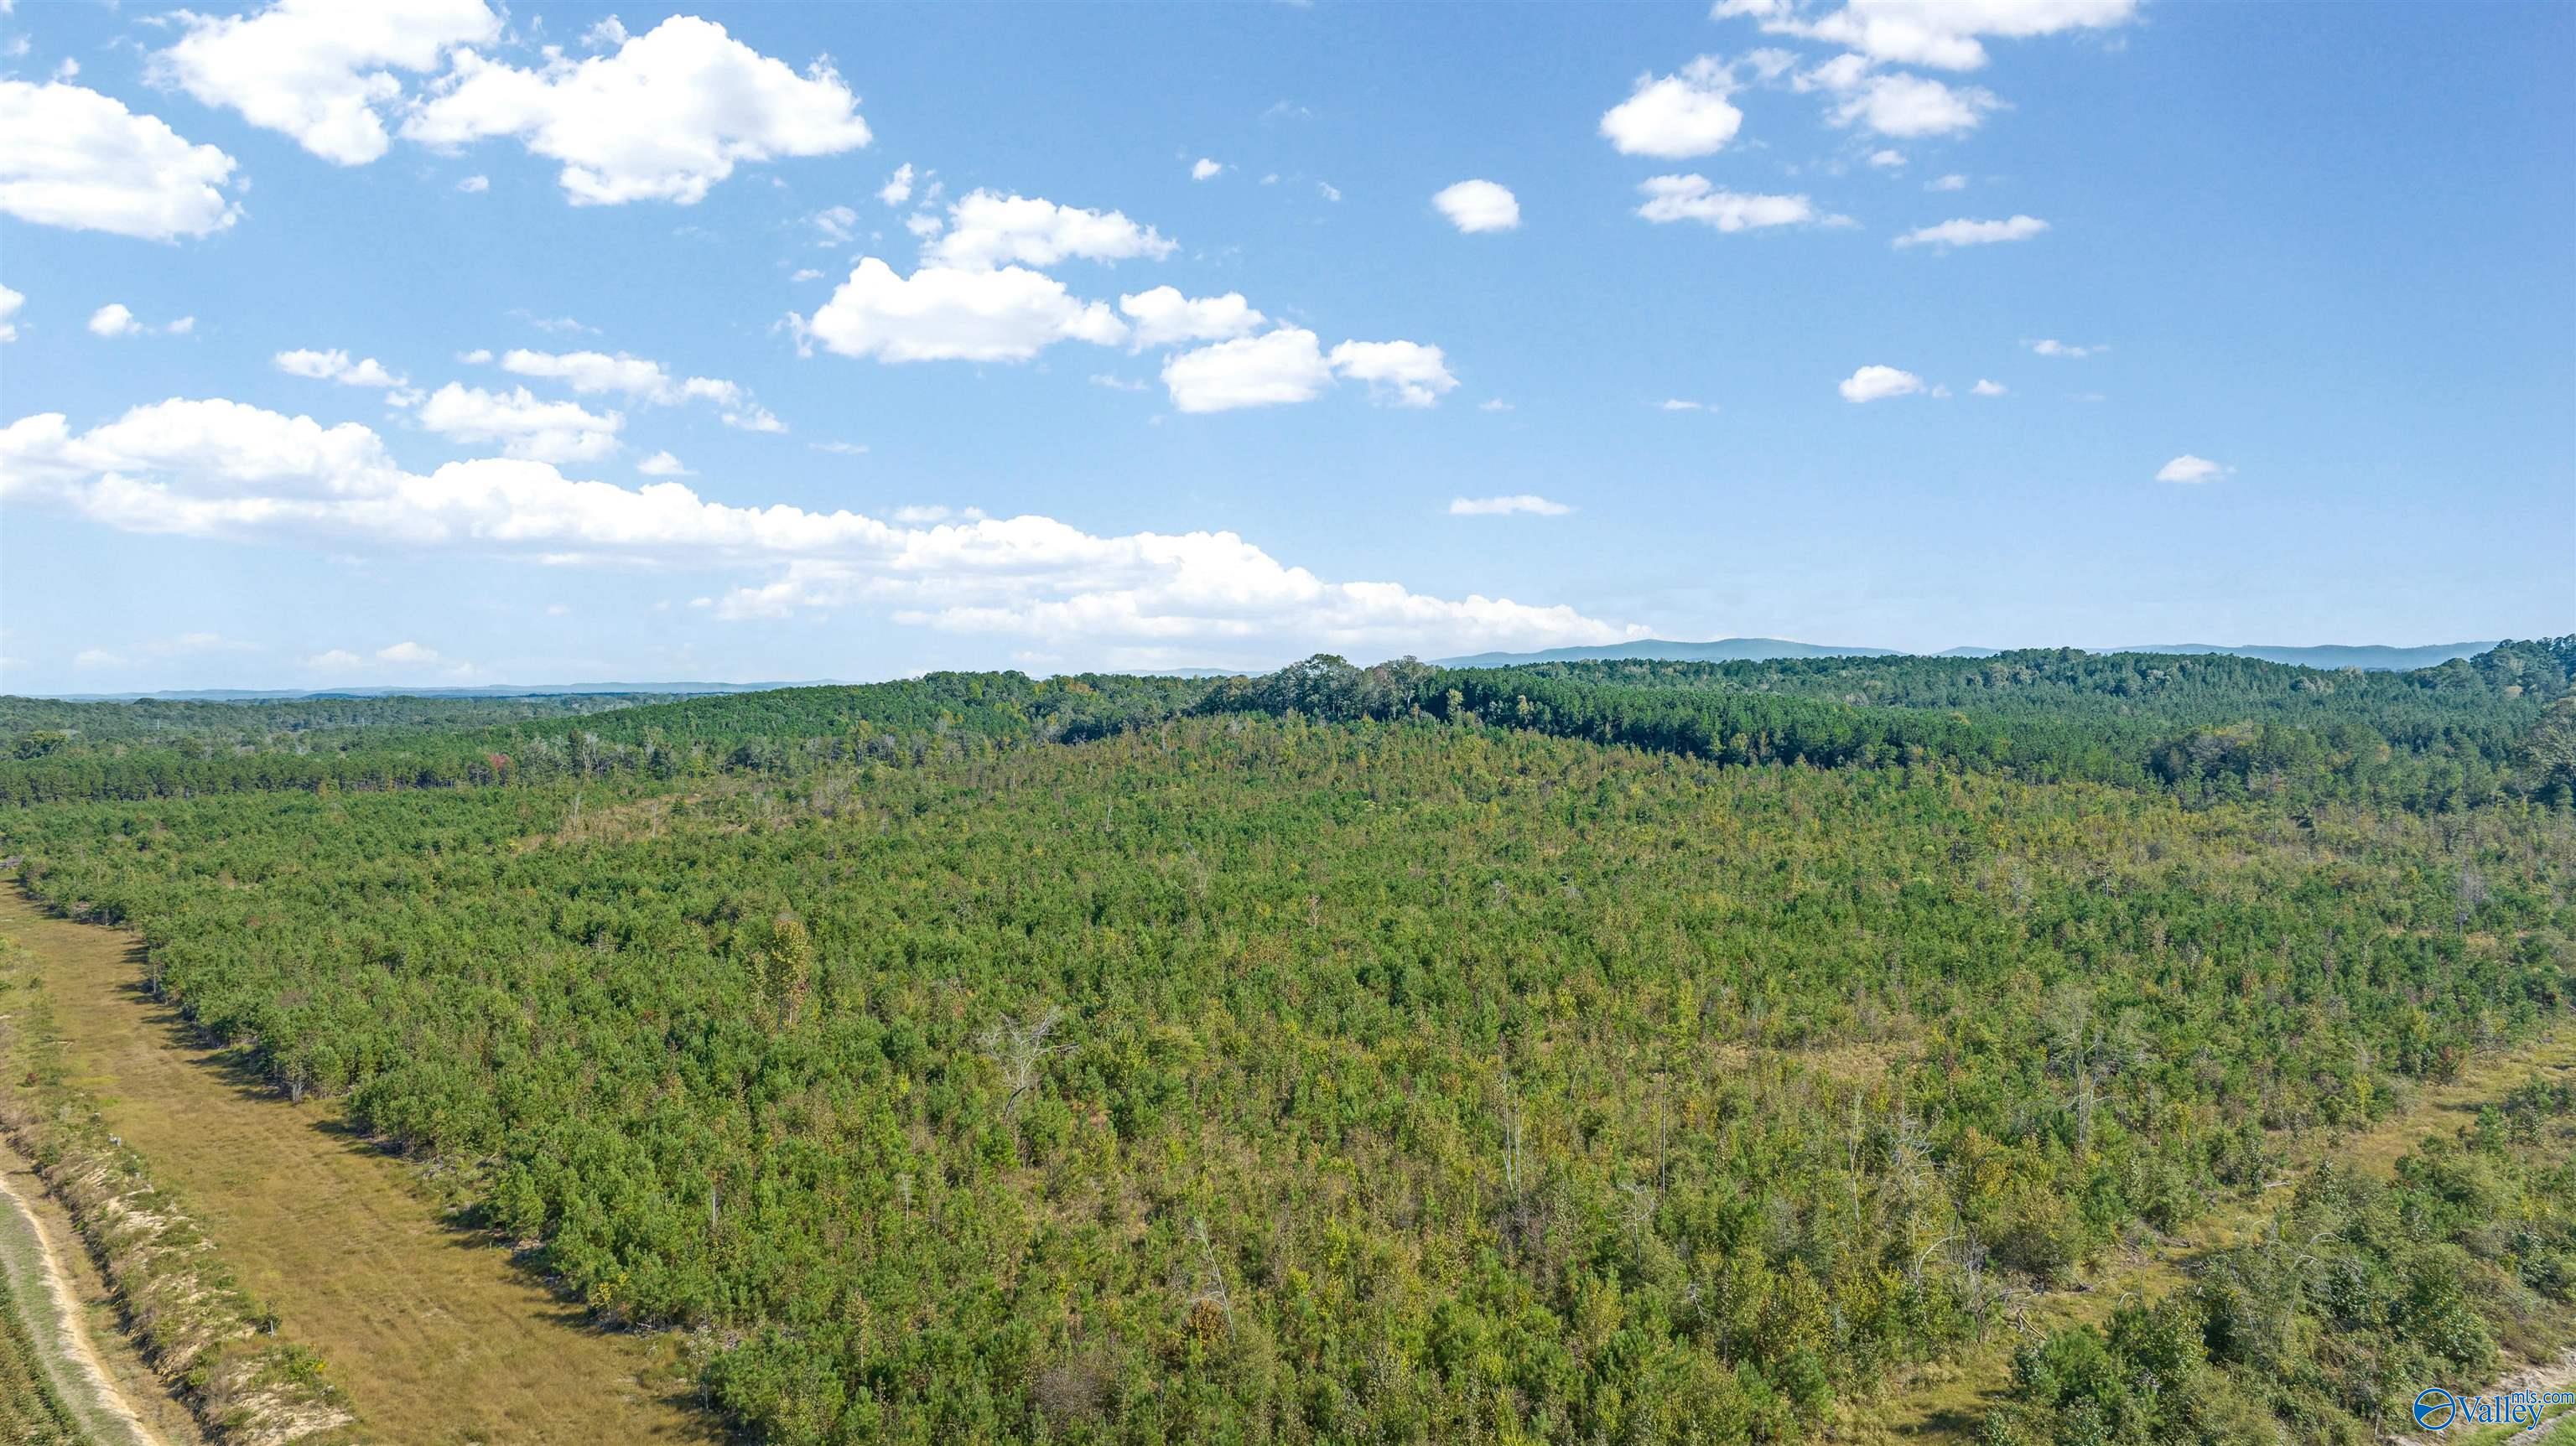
(2375,657)
(493,690)
(1721,650)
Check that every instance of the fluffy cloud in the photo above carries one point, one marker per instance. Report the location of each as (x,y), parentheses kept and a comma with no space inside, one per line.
(10,301)
(1473,206)
(898,187)
(1939,33)
(1164,316)
(475,185)
(989,229)
(1529,502)
(944,313)
(113,319)
(593,372)
(1964,232)
(1985,388)
(1693,198)
(320,70)
(2051,346)
(1206,170)
(666,116)
(1286,365)
(1914,105)
(405,657)
(1887,160)
(1877,383)
(219,468)
(663,464)
(74,158)
(643,380)
(1684,114)
(2188,468)
(1399,373)
(335,366)
(1951,182)
(522,425)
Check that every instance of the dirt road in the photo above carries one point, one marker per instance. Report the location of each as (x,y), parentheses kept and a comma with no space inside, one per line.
(437,1335)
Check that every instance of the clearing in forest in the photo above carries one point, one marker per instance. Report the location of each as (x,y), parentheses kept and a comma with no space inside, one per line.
(436,1335)
(1944,1401)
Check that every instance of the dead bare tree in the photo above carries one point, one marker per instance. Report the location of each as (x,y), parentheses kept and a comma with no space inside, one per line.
(1020,1051)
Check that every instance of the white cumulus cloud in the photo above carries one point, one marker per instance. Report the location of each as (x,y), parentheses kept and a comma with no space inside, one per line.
(1474,206)
(987,228)
(666,116)
(643,380)
(898,187)
(1938,33)
(74,158)
(334,366)
(113,319)
(1678,115)
(521,424)
(1985,388)
(321,71)
(1278,367)
(10,301)
(663,464)
(1398,373)
(1914,105)
(2051,346)
(1695,198)
(1164,316)
(1877,383)
(1206,170)
(223,469)
(2188,468)
(942,313)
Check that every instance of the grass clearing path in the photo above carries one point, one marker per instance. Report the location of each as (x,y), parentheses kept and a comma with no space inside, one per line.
(437,1336)
(1944,1401)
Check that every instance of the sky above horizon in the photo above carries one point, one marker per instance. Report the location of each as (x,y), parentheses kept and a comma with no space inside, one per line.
(443,343)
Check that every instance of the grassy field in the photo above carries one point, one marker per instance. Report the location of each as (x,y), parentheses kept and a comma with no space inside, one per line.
(436,1335)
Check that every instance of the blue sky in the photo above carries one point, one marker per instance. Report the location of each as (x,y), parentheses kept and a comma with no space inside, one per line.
(2276,297)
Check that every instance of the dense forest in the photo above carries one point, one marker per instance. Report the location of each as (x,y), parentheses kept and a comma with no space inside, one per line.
(2207,728)
(1608,1051)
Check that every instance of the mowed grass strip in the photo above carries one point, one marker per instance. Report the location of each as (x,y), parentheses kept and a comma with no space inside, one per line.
(437,1336)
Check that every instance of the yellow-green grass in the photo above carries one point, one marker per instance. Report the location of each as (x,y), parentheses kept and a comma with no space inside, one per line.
(436,1334)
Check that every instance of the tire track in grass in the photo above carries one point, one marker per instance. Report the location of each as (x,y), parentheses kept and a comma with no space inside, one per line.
(49,1309)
